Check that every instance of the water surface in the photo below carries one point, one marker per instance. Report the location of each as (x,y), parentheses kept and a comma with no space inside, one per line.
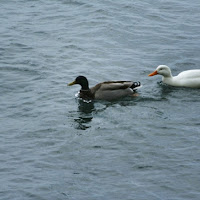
(55,146)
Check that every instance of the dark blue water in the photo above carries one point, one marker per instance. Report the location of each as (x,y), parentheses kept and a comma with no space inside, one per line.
(55,146)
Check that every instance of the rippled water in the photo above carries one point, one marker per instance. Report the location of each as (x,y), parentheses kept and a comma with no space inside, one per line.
(55,146)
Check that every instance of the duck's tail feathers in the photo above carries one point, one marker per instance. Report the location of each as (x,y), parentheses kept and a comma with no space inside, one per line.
(135,85)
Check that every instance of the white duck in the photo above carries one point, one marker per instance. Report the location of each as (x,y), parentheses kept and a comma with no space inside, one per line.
(189,78)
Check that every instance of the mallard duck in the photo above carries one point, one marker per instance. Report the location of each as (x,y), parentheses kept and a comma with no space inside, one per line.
(110,90)
(189,78)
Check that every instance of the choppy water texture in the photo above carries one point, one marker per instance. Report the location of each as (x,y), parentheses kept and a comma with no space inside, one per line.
(54,146)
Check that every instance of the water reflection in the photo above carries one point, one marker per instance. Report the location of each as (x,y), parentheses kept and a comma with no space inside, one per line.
(85,112)
(170,91)
(165,90)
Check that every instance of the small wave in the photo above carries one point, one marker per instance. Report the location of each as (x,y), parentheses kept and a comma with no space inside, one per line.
(72,46)
(73,2)
(19,69)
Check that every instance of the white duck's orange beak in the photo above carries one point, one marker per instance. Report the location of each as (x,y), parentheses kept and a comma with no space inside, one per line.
(153,73)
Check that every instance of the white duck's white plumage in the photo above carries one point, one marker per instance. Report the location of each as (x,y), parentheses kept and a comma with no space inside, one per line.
(189,78)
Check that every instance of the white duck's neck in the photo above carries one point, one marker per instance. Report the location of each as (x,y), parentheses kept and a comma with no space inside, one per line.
(170,80)
(167,77)
(167,80)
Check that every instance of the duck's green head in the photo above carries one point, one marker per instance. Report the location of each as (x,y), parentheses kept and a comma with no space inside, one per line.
(81,80)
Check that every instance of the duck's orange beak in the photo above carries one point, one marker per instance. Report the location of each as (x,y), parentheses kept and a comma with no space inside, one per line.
(153,73)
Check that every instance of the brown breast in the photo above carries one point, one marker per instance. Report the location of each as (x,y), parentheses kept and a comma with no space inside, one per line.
(86,94)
